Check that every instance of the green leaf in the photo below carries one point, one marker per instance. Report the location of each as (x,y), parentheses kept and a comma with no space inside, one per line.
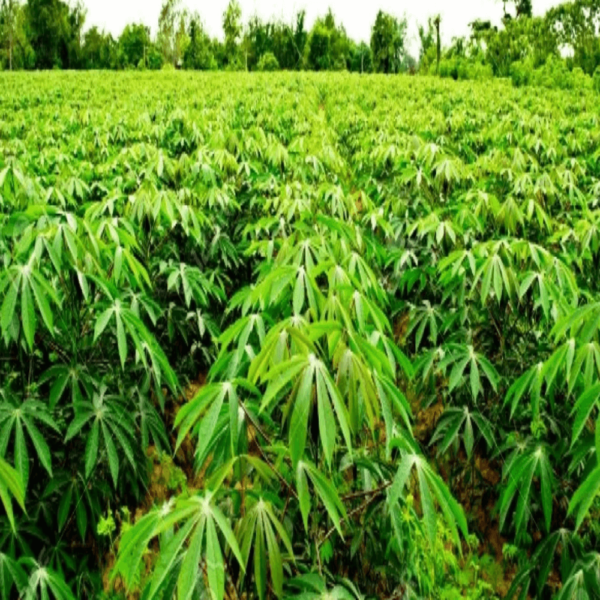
(427,507)
(328,495)
(43,306)
(81,518)
(299,420)
(11,486)
(228,534)
(260,560)
(299,293)
(41,447)
(584,496)
(132,547)
(21,454)
(64,507)
(207,428)
(281,376)
(77,424)
(303,493)
(190,567)
(327,427)
(583,409)
(102,322)
(214,562)
(91,450)
(8,306)
(169,555)
(111,452)
(27,314)
(121,341)
(476,388)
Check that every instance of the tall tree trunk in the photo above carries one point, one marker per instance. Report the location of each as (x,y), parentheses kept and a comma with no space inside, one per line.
(437,22)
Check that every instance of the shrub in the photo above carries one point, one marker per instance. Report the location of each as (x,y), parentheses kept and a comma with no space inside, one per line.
(268,62)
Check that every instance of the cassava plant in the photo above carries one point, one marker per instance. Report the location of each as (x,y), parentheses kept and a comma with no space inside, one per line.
(361,316)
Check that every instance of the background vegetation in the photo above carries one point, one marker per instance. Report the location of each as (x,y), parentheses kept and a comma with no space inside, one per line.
(559,49)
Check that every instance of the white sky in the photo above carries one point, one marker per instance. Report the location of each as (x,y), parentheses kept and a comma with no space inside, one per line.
(356,15)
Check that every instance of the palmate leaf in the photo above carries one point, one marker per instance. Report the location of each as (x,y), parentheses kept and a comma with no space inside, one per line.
(589,490)
(12,576)
(431,489)
(460,356)
(495,276)
(111,424)
(20,421)
(582,323)
(455,419)
(530,382)
(11,487)
(583,581)
(424,318)
(520,472)
(310,381)
(540,565)
(258,533)
(44,582)
(26,282)
(583,410)
(128,323)
(192,282)
(199,523)
(203,411)
(325,491)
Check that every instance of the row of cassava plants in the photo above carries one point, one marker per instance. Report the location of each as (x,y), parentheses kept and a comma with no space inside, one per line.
(343,266)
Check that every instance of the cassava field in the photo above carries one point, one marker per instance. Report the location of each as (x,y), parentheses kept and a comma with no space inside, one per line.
(298,336)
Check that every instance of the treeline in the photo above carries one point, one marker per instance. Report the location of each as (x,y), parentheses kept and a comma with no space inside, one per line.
(558,49)
(47,34)
(563,44)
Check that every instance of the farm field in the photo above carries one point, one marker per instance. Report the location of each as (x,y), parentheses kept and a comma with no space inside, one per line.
(299,336)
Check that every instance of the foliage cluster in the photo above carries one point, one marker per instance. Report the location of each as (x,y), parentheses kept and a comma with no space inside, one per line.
(396,304)
(50,34)
(560,49)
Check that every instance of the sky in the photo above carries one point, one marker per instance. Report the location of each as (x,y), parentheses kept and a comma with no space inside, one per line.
(356,15)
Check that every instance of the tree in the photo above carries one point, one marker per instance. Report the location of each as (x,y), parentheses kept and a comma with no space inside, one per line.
(172,37)
(99,50)
(232,27)
(300,36)
(285,41)
(577,26)
(437,21)
(76,18)
(361,58)
(328,45)
(55,32)
(134,46)
(8,25)
(258,39)
(198,54)
(521,39)
(524,8)
(387,42)
(430,42)
(16,51)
